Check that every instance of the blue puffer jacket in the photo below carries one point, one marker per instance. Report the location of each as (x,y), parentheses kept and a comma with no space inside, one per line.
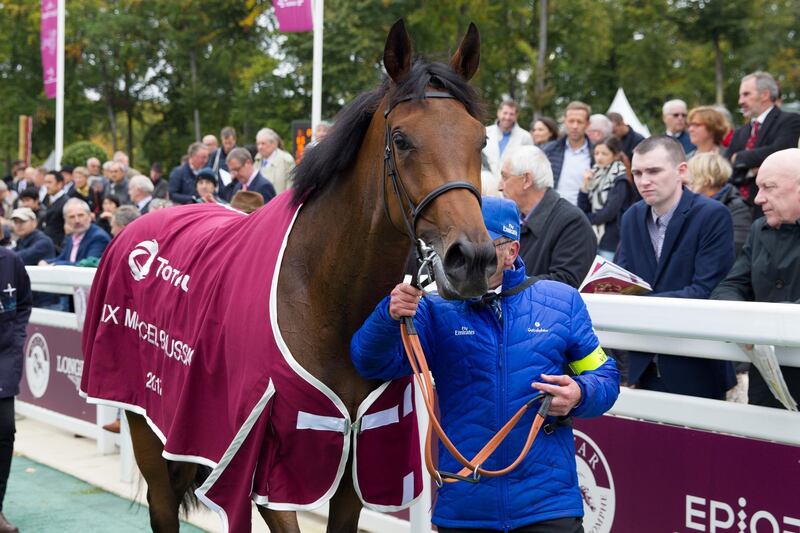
(483,374)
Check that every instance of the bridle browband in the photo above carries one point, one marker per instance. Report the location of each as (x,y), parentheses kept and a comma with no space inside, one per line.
(411,211)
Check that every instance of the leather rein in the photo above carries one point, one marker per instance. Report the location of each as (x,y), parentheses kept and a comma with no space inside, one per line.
(472,470)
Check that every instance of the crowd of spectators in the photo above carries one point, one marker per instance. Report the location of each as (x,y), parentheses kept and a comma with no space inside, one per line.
(682,210)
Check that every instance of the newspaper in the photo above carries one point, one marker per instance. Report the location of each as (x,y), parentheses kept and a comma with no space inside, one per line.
(764,359)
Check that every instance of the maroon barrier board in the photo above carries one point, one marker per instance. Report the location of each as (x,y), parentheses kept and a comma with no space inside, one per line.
(51,372)
(641,476)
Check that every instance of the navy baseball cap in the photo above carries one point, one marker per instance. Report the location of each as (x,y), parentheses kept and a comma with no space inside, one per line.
(501,218)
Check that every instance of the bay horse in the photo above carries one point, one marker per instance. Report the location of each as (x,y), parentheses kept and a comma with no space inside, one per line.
(403,158)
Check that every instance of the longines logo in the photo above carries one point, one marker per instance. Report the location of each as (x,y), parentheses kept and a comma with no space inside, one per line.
(37,365)
(140,261)
(596,484)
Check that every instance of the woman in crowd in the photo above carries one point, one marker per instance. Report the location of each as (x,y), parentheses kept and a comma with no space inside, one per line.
(707,129)
(81,190)
(606,192)
(544,130)
(708,175)
(110,205)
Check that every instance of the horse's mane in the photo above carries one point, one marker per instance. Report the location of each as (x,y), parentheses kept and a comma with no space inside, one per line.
(328,161)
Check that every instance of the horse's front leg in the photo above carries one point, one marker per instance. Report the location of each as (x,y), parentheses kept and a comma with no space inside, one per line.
(345,507)
(280,521)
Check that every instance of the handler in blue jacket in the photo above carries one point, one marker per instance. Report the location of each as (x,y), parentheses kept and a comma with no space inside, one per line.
(488,359)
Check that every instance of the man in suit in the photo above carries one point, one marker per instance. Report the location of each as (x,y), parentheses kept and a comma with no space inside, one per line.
(273,163)
(681,243)
(674,113)
(182,179)
(768,130)
(502,137)
(33,246)
(248,178)
(85,239)
(53,223)
(571,155)
(556,242)
(140,190)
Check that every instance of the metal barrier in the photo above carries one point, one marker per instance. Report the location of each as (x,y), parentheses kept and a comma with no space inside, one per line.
(695,328)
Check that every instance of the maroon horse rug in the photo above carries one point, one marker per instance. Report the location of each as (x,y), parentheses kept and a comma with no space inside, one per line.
(182,328)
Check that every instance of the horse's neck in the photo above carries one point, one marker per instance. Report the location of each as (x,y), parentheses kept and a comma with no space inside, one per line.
(344,254)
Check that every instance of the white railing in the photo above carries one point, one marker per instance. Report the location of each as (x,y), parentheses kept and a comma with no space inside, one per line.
(694,328)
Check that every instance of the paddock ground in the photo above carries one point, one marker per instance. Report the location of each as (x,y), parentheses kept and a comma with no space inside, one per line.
(60,484)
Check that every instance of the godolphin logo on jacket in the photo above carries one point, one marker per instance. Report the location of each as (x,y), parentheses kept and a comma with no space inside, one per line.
(148,251)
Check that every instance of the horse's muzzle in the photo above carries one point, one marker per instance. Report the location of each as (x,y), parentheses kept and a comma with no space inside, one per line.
(467,267)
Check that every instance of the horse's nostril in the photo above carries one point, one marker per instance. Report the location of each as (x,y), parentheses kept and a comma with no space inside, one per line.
(465,260)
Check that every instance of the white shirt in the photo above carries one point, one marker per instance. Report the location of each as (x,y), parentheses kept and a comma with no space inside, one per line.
(575,164)
(140,205)
(763,116)
(56,196)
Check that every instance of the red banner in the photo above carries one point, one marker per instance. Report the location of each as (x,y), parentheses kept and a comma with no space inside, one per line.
(48,35)
(293,16)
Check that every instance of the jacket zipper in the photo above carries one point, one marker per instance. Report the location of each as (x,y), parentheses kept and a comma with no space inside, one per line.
(502,485)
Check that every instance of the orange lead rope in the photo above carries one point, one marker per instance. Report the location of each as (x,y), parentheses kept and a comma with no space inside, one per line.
(472,470)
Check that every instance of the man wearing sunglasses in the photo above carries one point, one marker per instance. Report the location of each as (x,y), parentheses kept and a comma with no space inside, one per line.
(674,114)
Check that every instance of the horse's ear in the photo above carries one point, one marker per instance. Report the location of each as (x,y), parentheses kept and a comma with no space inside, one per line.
(468,56)
(398,51)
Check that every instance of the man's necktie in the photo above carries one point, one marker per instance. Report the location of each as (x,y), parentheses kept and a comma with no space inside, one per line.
(244,186)
(751,141)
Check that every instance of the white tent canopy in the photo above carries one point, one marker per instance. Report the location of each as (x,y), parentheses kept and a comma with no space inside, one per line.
(623,107)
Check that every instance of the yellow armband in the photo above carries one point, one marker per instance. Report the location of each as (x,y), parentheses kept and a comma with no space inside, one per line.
(593,361)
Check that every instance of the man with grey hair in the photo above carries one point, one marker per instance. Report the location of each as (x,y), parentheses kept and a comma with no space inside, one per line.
(273,163)
(122,217)
(118,182)
(247,176)
(84,239)
(769,129)
(211,142)
(140,190)
(768,269)
(556,242)
(182,179)
(599,128)
(674,113)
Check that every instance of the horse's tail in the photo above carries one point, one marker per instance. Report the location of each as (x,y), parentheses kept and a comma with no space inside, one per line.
(190,500)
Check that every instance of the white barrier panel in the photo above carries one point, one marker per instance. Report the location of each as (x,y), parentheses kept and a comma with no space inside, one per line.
(694,328)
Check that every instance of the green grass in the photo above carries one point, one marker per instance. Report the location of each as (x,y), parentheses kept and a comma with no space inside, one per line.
(40,499)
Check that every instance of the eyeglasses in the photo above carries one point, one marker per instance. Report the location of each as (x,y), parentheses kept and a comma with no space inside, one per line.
(505,176)
(676,115)
(501,243)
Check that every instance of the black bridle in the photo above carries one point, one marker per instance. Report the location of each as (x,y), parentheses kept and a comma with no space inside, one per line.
(412,211)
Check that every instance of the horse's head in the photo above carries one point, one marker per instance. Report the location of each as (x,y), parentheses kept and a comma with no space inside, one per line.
(433,147)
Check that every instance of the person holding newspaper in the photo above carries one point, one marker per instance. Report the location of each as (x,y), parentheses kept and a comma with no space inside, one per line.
(768,269)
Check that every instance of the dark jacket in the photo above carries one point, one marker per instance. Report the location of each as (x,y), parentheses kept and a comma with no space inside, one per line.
(182,186)
(93,245)
(53,222)
(496,363)
(620,197)
(119,190)
(557,242)
(697,253)
(779,131)
(554,151)
(31,249)
(260,185)
(15,310)
(161,189)
(218,160)
(685,141)
(768,270)
(629,142)
(740,213)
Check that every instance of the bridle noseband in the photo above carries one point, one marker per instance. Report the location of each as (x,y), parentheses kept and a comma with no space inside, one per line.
(411,211)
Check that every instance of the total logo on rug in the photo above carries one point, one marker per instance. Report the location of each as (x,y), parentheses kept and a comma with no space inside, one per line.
(141,259)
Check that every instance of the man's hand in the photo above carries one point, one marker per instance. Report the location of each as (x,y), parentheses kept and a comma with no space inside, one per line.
(565,391)
(403,301)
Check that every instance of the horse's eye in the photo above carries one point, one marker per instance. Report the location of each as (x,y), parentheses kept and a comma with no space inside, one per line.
(401,142)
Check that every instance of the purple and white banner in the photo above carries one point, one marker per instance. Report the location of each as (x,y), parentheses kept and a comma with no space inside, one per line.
(640,476)
(48,35)
(293,16)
